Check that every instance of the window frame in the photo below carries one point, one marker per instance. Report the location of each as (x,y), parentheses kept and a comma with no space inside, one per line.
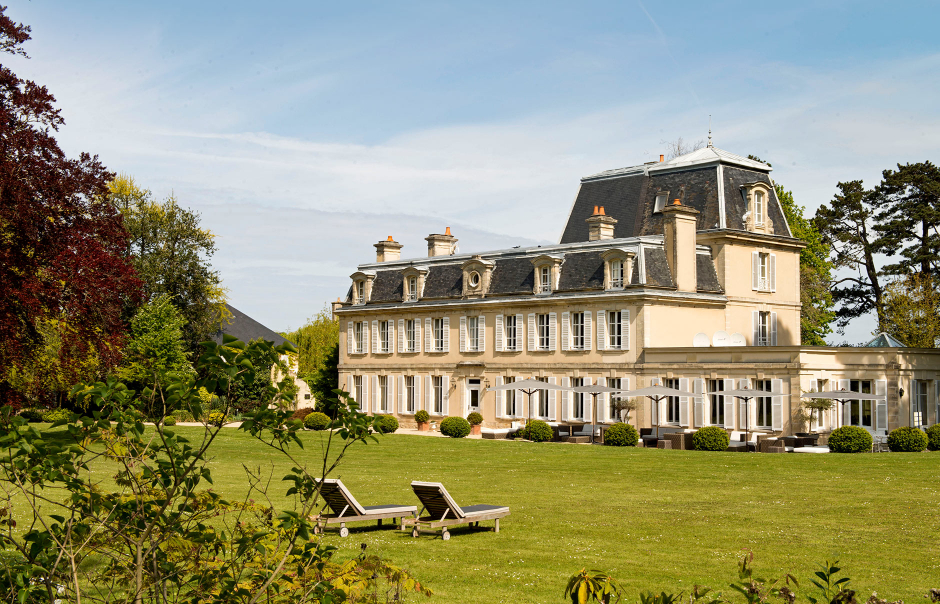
(760,208)
(717,401)
(919,404)
(545,279)
(411,339)
(509,401)
(543,331)
(412,289)
(615,330)
(473,334)
(616,281)
(577,399)
(543,400)
(763,328)
(510,333)
(360,292)
(385,345)
(358,333)
(659,202)
(764,405)
(672,403)
(383,393)
(437,387)
(358,389)
(577,331)
(410,400)
(437,333)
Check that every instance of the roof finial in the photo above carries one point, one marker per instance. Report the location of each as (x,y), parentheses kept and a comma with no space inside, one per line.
(710,131)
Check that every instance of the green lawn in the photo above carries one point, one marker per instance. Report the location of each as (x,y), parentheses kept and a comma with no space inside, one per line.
(654,519)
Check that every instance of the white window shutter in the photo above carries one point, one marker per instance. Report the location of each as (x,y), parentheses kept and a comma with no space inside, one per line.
(417,383)
(463,334)
(565,400)
(551,400)
(936,398)
(481,341)
(401,335)
(499,333)
(374,401)
(521,399)
(684,403)
(602,406)
(773,329)
(845,413)
(365,337)
(391,335)
(602,330)
(428,341)
(625,385)
(349,338)
(520,330)
(773,272)
(499,395)
(428,394)
(755,271)
(755,321)
(531,326)
(698,387)
(402,399)
(588,332)
(364,403)
(552,330)
(375,337)
(446,334)
(729,405)
(625,329)
(776,406)
(445,391)
(565,330)
(661,412)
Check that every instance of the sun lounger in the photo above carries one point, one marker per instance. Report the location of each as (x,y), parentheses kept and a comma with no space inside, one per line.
(344,508)
(440,511)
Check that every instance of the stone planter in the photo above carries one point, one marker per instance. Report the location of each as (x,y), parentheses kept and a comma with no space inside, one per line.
(476,429)
(424,426)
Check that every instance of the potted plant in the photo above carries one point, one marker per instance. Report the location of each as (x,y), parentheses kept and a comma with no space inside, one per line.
(624,406)
(476,423)
(811,409)
(423,418)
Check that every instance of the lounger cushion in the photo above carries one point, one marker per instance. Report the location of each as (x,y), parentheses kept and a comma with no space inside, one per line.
(470,510)
(404,509)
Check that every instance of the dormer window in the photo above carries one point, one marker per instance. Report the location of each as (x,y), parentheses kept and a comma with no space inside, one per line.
(362,286)
(618,267)
(413,283)
(360,292)
(660,203)
(616,273)
(477,273)
(757,216)
(412,294)
(547,271)
(545,280)
(759,208)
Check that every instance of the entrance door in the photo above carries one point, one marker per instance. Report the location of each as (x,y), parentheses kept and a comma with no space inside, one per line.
(473,395)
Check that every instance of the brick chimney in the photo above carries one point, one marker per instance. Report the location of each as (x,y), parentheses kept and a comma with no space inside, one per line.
(679,238)
(441,245)
(600,225)
(387,250)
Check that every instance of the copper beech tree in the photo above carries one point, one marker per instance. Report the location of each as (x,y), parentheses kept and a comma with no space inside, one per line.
(62,250)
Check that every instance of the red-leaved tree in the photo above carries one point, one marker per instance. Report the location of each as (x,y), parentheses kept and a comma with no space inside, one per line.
(62,248)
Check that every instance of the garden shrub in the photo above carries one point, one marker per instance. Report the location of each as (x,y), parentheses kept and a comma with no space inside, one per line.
(537,431)
(217,418)
(933,437)
(387,424)
(32,415)
(455,427)
(711,438)
(422,416)
(907,440)
(55,415)
(850,439)
(183,415)
(169,420)
(302,413)
(316,421)
(621,435)
(475,419)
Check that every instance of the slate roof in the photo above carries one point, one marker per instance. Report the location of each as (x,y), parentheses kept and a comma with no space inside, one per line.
(247,329)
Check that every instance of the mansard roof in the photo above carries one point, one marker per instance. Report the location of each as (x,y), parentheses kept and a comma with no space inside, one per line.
(709,180)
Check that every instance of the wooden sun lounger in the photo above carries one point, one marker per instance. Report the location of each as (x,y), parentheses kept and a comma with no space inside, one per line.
(344,508)
(442,511)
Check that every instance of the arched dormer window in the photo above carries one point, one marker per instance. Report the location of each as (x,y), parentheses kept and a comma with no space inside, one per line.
(547,273)
(757,195)
(413,283)
(362,286)
(618,267)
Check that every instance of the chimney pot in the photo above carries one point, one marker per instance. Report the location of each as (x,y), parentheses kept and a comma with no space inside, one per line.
(390,238)
(602,211)
(447,231)
(676,202)
(661,157)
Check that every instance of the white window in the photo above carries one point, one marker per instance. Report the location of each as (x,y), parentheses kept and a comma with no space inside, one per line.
(473,394)
(611,401)
(660,203)
(764,404)
(577,330)
(717,401)
(543,399)
(919,401)
(385,341)
(360,292)
(358,392)
(860,412)
(545,279)
(411,340)
(409,394)
(578,398)
(438,335)
(544,330)
(763,272)
(359,328)
(614,331)
(510,333)
(759,208)
(672,402)
(412,289)
(438,385)
(510,398)
(383,393)
(616,273)
(473,334)
(763,329)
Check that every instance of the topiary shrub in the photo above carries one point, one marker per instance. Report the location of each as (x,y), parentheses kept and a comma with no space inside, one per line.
(55,415)
(422,417)
(933,437)
(455,427)
(216,418)
(907,440)
(537,431)
(316,421)
(850,439)
(711,438)
(475,419)
(169,420)
(621,435)
(387,424)
(32,415)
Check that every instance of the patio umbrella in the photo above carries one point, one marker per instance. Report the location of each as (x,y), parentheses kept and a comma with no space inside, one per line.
(594,390)
(845,396)
(655,394)
(529,386)
(746,394)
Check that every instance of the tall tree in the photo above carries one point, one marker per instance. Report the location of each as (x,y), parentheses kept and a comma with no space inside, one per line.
(911,304)
(314,342)
(171,253)
(909,216)
(816,312)
(61,249)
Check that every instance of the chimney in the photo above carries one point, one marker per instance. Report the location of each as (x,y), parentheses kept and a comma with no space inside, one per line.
(387,250)
(600,225)
(441,245)
(679,239)
(661,157)
(336,306)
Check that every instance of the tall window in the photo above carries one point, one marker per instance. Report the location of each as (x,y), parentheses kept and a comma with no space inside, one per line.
(360,292)
(759,208)
(410,339)
(860,411)
(764,272)
(717,400)
(763,329)
(764,404)
(438,334)
(473,385)
(409,394)
(357,388)
(543,331)
(545,280)
(384,341)
(412,289)
(511,410)
(616,273)
(543,399)
(438,385)
(358,330)
(919,401)
(672,402)
(473,333)
(383,393)
(578,411)
(510,333)
(614,335)
(577,330)
(611,401)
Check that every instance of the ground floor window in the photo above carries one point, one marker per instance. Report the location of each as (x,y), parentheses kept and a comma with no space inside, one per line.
(510,402)
(543,399)
(764,404)
(578,397)
(357,389)
(383,393)
(612,402)
(672,402)
(409,394)
(860,412)
(438,386)
(919,400)
(716,416)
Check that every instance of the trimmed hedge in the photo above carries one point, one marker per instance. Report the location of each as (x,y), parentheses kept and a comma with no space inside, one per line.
(537,431)
(316,421)
(850,439)
(907,440)
(422,416)
(711,438)
(169,420)
(621,435)
(32,416)
(387,424)
(455,427)
(55,415)
(217,418)
(475,419)
(933,437)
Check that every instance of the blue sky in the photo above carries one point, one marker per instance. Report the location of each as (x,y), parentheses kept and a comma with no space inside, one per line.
(305,132)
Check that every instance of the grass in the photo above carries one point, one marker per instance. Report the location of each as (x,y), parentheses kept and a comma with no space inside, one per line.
(655,519)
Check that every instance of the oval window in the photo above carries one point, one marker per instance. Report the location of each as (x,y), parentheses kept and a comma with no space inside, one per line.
(474,279)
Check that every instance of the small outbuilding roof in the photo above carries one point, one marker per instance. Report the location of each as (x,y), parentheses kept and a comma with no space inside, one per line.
(247,329)
(885,340)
